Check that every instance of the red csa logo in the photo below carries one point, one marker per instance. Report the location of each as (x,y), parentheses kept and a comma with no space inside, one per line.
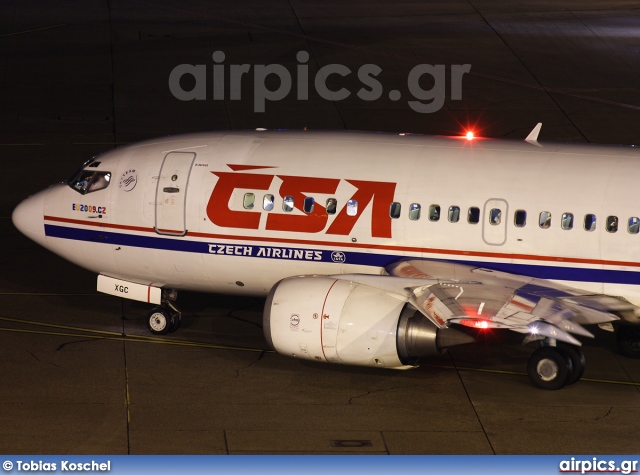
(378,193)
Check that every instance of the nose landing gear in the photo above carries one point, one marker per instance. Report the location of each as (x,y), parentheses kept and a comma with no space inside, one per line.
(166,318)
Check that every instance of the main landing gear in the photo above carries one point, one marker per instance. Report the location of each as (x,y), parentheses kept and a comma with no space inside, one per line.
(166,318)
(553,367)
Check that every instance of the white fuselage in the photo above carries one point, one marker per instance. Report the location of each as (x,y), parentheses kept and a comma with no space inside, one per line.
(178,213)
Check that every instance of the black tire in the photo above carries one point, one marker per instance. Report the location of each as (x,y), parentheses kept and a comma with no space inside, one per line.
(549,368)
(575,354)
(177,319)
(628,337)
(160,321)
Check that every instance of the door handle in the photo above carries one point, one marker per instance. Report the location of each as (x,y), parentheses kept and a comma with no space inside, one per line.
(170,189)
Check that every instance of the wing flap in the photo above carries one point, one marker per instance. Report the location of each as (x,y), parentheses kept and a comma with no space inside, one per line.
(436,304)
(474,296)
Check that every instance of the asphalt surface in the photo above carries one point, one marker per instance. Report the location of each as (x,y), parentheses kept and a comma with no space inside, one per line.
(80,373)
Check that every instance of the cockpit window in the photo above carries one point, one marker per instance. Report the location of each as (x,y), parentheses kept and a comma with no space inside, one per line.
(88,181)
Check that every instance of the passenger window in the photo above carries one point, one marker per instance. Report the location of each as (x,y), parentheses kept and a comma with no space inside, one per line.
(249,200)
(287,204)
(332,204)
(267,202)
(567,221)
(590,222)
(495,216)
(545,219)
(454,214)
(520,218)
(352,207)
(308,204)
(434,213)
(634,225)
(394,210)
(612,224)
(474,215)
(414,211)
(90,181)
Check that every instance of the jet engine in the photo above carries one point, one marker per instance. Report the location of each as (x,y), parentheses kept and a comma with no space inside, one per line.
(337,321)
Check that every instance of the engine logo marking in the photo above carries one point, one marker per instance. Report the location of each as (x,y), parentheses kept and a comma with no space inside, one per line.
(294,321)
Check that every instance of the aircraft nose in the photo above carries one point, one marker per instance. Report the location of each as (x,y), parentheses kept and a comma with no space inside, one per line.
(28,217)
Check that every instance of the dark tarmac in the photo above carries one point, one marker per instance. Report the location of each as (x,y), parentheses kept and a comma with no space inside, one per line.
(81,374)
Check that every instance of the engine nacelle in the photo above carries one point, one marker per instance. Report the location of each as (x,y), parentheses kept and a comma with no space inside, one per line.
(337,321)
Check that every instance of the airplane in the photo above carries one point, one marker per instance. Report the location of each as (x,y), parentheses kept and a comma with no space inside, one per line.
(372,249)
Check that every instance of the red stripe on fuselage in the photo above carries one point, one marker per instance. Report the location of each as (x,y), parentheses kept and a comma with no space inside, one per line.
(342,245)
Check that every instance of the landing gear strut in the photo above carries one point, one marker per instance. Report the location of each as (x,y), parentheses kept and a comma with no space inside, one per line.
(166,318)
(553,367)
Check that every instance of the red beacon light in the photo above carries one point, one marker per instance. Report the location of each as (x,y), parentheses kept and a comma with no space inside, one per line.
(468,134)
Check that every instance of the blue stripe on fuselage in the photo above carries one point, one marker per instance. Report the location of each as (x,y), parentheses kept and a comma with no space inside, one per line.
(322,255)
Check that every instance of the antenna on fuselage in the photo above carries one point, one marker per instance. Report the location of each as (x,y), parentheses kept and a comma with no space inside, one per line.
(533,135)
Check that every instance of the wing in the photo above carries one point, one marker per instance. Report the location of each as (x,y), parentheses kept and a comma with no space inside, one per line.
(449,293)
